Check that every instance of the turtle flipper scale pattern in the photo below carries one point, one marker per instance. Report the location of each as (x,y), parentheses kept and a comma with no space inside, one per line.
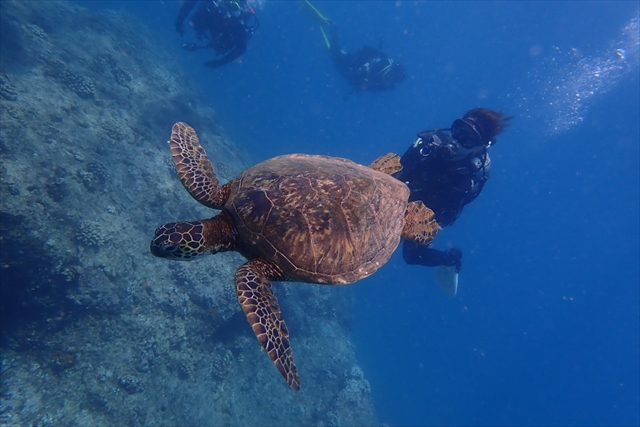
(389,164)
(194,167)
(260,306)
(419,223)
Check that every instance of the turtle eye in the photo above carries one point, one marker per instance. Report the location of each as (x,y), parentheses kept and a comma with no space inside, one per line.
(169,248)
(159,251)
(165,245)
(162,248)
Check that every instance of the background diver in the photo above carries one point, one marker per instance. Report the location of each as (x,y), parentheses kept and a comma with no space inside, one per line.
(225,26)
(447,169)
(367,69)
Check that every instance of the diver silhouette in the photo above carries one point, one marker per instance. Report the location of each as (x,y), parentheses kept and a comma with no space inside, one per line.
(224,25)
(447,169)
(366,69)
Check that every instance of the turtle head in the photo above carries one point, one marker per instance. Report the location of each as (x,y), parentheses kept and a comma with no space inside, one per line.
(182,241)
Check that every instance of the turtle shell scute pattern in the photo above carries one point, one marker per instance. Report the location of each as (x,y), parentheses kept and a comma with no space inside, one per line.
(321,219)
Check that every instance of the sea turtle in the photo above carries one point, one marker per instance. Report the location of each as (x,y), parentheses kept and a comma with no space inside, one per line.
(296,217)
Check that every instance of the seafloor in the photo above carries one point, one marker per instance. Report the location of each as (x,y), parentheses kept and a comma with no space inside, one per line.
(95,330)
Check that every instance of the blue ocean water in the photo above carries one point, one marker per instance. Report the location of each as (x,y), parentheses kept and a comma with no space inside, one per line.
(545,327)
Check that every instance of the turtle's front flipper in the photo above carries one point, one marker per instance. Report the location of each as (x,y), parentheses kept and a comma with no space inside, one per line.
(260,305)
(389,164)
(419,223)
(194,167)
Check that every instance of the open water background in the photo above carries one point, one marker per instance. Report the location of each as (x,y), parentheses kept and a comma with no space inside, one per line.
(545,327)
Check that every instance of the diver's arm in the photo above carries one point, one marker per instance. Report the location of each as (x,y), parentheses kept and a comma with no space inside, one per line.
(186,8)
(477,180)
(469,185)
(231,55)
(446,151)
(438,146)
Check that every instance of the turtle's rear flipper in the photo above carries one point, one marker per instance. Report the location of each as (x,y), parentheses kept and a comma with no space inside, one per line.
(389,164)
(447,279)
(419,223)
(194,167)
(260,305)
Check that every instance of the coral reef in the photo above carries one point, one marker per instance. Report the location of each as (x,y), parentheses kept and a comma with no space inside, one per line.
(95,330)
(7,91)
(91,234)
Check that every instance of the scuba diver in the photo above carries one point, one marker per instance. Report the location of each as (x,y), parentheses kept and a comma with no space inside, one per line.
(225,25)
(446,169)
(367,69)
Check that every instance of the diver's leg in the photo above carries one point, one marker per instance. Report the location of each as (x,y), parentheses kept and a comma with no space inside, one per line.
(415,254)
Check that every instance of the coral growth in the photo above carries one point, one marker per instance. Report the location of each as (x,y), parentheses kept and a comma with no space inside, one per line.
(7,91)
(80,84)
(91,234)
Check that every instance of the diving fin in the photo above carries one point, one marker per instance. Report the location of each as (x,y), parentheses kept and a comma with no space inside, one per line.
(447,279)
(326,39)
(320,15)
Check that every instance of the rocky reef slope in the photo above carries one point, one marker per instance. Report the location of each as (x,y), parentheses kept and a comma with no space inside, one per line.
(95,330)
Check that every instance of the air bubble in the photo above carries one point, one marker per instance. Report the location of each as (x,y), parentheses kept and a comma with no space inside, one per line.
(571,79)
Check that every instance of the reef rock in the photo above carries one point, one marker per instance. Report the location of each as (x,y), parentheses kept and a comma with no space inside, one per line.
(95,330)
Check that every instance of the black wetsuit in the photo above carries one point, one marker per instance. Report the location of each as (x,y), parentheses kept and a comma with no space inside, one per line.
(367,69)
(445,176)
(225,28)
